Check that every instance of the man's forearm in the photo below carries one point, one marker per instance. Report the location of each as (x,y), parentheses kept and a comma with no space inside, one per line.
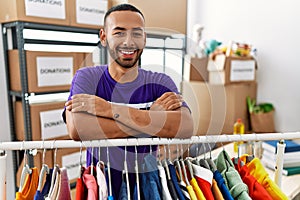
(84,126)
(176,123)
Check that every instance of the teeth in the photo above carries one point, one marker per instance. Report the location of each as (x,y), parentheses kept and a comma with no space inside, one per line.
(127,52)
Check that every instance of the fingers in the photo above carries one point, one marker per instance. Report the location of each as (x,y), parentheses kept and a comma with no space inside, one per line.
(80,102)
(169,101)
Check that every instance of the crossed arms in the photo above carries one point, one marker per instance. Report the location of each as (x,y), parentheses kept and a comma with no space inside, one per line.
(90,117)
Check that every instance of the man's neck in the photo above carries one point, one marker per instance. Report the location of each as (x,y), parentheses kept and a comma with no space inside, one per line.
(121,74)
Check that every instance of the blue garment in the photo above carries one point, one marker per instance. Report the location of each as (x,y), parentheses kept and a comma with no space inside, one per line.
(222,186)
(40,195)
(123,191)
(150,181)
(175,182)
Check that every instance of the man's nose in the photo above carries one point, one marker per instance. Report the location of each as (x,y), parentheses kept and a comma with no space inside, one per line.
(128,40)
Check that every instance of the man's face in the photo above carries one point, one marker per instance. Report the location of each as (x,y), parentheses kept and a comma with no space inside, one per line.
(125,37)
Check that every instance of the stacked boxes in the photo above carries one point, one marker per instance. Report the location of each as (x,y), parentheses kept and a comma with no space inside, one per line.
(78,13)
(215,108)
(217,96)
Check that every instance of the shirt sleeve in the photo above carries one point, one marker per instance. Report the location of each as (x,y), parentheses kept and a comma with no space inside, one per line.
(85,81)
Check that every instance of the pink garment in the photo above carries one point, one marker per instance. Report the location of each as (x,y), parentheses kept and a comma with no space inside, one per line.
(91,184)
(64,189)
(103,194)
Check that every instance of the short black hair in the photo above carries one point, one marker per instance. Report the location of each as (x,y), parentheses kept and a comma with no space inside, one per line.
(122,7)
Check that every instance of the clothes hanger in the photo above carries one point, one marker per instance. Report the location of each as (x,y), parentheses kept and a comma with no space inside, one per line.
(183,167)
(136,168)
(25,170)
(177,165)
(210,162)
(188,163)
(92,161)
(125,172)
(158,160)
(109,175)
(203,161)
(165,163)
(44,170)
(80,161)
(55,172)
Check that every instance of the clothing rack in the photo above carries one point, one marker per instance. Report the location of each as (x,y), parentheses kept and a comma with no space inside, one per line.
(23,145)
(53,144)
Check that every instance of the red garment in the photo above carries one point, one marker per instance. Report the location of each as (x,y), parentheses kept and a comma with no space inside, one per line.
(204,179)
(81,190)
(256,190)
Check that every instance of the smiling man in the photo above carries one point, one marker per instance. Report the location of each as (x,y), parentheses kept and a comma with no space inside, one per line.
(121,100)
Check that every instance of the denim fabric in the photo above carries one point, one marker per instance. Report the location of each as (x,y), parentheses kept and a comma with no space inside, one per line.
(123,192)
(150,182)
(175,182)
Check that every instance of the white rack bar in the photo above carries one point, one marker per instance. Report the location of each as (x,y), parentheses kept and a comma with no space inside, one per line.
(52,144)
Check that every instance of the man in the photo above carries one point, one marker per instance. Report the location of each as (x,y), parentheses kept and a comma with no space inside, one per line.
(122,100)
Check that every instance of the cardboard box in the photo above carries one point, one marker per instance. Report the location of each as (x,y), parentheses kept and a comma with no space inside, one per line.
(232,69)
(88,14)
(47,12)
(46,121)
(195,69)
(215,108)
(46,71)
(37,162)
(168,15)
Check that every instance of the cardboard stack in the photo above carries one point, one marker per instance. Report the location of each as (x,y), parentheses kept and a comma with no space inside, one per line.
(78,13)
(216,91)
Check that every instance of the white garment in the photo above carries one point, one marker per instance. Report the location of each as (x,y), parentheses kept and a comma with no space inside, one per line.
(103,193)
(54,193)
(165,191)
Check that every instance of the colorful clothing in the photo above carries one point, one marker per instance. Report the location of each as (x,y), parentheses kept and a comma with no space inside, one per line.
(30,186)
(257,170)
(237,188)
(204,179)
(198,192)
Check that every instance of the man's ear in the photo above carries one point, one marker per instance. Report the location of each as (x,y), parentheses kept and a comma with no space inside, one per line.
(102,35)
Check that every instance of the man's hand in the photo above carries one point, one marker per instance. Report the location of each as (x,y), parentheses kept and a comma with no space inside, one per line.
(89,103)
(168,101)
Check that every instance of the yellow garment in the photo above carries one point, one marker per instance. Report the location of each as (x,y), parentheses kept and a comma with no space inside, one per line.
(197,190)
(257,170)
(30,186)
(216,190)
(191,192)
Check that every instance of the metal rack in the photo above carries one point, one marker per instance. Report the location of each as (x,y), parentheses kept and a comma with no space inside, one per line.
(6,146)
(13,38)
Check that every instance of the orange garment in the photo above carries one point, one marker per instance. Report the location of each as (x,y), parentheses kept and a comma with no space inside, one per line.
(257,170)
(216,191)
(30,186)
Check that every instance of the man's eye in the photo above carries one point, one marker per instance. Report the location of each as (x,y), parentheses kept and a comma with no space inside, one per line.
(137,34)
(119,34)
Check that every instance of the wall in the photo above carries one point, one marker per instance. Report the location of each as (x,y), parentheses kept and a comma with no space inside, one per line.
(273,28)
(5,126)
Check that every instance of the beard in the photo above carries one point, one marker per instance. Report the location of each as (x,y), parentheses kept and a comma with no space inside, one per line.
(124,62)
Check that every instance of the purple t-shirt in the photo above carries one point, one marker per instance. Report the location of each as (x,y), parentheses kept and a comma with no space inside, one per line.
(140,93)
